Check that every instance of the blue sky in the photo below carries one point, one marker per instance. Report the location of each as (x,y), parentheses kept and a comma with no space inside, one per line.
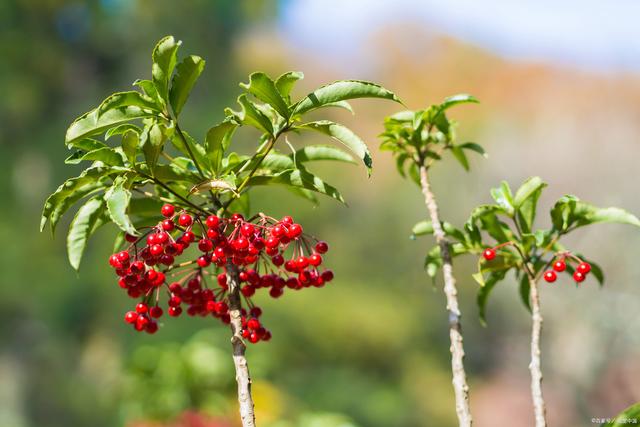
(599,35)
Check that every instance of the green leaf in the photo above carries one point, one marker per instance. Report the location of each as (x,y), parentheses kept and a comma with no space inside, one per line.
(340,104)
(300,178)
(152,145)
(426,228)
(187,73)
(130,143)
(458,153)
(252,116)
(504,198)
(189,147)
(473,147)
(144,207)
(525,202)
(570,212)
(321,152)
(93,123)
(71,191)
(117,198)
(127,99)
(285,83)
(483,293)
(629,416)
(106,155)
(164,61)
(344,135)
(88,218)
(341,91)
(262,87)
(87,144)
(121,130)
(461,98)
(217,141)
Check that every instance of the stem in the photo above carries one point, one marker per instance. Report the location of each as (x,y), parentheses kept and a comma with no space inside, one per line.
(535,365)
(244,183)
(166,187)
(459,381)
(242,368)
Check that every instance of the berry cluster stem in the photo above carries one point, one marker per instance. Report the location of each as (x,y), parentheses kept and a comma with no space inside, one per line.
(535,365)
(243,377)
(461,389)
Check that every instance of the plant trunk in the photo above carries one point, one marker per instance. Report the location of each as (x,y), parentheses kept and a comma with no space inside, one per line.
(459,381)
(242,368)
(535,366)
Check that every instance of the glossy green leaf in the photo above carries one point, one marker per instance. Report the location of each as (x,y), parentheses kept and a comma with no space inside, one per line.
(130,144)
(70,192)
(461,98)
(525,202)
(87,144)
(524,290)
(426,228)
(341,91)
(300,178)
(217,141)
(344,135)
(117,198)
(164,62)
(321,152)
(503,197)
(285,83)
(251,115)
(188,146)
(262,87)
(187,73)
(121,130)
(570,213)
(106,155)
(127,99)
(93,123)
(89,217)
(152,144)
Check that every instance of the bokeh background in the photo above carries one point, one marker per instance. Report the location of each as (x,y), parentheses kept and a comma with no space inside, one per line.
(560,89)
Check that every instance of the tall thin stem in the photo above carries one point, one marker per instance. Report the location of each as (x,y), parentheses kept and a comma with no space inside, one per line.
(243,378)
(535,365)
(460,387)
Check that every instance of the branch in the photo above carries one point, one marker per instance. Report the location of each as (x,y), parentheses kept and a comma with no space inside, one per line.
(535,365)
(460,386)
(166,187)
(242,368)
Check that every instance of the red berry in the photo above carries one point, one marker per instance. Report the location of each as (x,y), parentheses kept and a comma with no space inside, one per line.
(489,254)
(185,220)
(203,261)
(212,221)
(130,238)
(248,290)
(327,275)
(276,292)
(152,327)
(123,256)
(579,277)
(167,210)
(278,231)
(253,323)
(254,338)
(302,262)
(175,311)
(241,243)
(277,260)
(188,236)
(142,308)
(560,266)
(213,234)
(315,259)
(295,230)
(156,250)
(168,225)
(255,311)
(237,217)
(266,336)
(222,280)
(130,317)
(550,276)
(247,229)
(205,245)
(141,322)
(175,301)
(155,312)
(584,268)
(322,247)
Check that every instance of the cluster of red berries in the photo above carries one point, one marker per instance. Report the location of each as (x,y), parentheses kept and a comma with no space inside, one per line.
(261,251)
(560,265)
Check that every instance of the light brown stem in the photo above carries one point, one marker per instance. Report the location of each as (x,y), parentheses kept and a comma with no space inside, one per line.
(460,387)
(535,366)
(242,368)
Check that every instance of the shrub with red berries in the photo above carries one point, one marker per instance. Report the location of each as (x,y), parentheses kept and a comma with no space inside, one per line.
(159,271)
